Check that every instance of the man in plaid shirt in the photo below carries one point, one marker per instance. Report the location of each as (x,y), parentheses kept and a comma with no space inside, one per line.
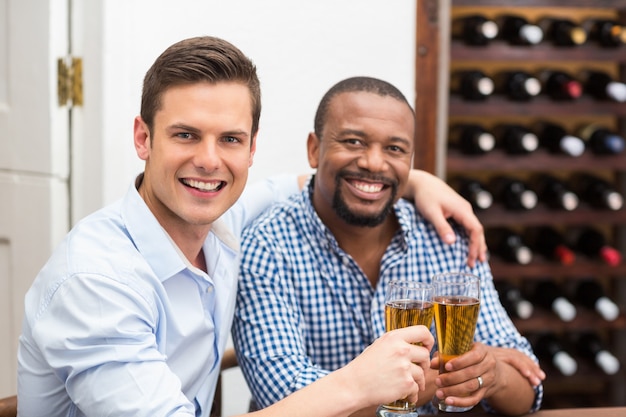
(315,269)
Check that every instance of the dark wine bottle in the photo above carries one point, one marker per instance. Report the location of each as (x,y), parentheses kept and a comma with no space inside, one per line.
(550,243)
(589,345)
(473,191)
(515,139)
(553,192)
(601,140)
(559,85)
(517,85)
(591,242)
(591,294)
(517,30)
(596,191)
(512,300)
(556,139)
(471,138)
(512,192)
(472,85)
(606,32)
(549,347)
(563,32)
(601,86)
(550,296)
(476,29)
(509,245)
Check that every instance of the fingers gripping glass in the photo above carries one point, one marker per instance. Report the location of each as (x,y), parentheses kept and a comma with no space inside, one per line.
(456,297)
(407,303)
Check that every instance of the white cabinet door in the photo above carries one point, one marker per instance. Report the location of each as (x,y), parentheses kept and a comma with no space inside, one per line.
(34,157)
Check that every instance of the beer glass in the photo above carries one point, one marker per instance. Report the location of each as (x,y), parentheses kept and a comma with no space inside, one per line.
(407,303)
(456,297)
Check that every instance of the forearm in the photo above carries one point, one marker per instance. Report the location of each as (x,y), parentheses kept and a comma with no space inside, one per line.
(515,395)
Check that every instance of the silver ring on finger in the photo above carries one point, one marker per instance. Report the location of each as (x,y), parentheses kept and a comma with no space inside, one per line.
(480,381)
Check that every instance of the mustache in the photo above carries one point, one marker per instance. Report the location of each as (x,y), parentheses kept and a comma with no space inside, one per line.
(367,176)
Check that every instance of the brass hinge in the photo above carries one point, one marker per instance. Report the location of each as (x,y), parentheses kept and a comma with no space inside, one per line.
(70,81)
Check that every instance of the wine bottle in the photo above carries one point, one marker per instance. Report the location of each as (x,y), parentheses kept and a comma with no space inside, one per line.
(596,191)
(589,345)
(560,85)
(591,294)
(591,242)
(601,86)
(554,192)
(555,138)
(548,346)
(601,140)
(607,32)
(471,138)
(472,85)
(512,192)
(509,245)
(563,32)
(515,139)
(517,85)
(473,191)
(550,243)
(476,29)
(517,30)
(513,301)
(548,295)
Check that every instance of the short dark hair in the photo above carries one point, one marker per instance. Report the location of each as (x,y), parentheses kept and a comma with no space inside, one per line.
(199,59)
(351,85)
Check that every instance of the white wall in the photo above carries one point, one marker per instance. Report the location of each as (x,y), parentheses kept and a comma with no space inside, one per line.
(300,48)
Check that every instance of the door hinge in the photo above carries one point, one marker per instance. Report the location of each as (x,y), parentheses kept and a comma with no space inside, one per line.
(70,81)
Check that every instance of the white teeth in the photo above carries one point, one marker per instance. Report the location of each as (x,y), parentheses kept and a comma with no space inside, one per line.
(368,188)
(204,186)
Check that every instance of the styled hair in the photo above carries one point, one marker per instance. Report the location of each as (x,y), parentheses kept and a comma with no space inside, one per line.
(353,85)
(200,59)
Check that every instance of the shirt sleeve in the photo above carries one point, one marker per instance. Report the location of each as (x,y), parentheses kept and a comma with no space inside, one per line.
(257,197)
(269,330)
(497,329)
(99,337)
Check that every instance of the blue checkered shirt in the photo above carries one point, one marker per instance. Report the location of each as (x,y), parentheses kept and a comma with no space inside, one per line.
(305,308)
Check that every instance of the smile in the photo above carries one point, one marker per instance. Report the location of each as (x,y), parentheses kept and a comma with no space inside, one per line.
(367,187)
(202,185)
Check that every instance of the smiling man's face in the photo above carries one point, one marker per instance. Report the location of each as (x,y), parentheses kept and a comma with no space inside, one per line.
(363,158)
(198,155)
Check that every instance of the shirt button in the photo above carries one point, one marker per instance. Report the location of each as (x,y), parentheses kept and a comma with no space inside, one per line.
(209,290)
(345,260)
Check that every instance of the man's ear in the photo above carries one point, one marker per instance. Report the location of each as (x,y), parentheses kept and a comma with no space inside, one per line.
(313,149)
(141,135)
(252,150)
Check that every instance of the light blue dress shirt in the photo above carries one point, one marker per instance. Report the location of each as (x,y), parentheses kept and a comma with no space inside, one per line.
(119,323)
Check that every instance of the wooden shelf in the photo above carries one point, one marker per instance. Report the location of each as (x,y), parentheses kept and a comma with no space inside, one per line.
(540,106)
(537,270)
(539,160)
(543,52)
(614,4)
(589,385)
(497,215)
(543,321)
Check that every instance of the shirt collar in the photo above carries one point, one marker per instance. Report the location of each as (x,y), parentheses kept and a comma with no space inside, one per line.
(151,240)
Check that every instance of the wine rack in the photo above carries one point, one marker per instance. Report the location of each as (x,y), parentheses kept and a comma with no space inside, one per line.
(589,386)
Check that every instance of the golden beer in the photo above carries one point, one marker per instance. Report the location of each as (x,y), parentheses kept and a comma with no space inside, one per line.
(405,313)
(455,318)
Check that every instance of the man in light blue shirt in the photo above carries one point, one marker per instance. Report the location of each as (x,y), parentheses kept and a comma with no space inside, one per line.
(131,314)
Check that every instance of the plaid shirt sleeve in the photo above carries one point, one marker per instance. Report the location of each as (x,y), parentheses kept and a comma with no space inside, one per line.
(269,331)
